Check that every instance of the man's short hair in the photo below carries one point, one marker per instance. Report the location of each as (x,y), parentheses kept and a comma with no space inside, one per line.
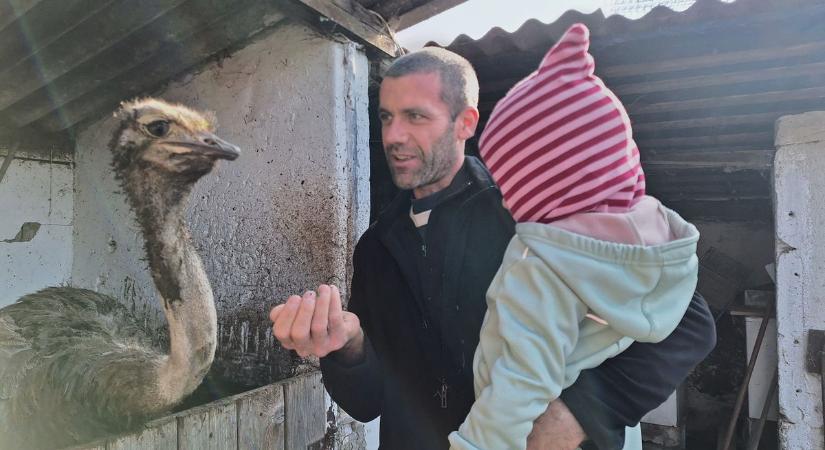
(459,84)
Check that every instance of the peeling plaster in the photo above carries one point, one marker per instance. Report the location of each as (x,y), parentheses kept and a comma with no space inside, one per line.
(27,232)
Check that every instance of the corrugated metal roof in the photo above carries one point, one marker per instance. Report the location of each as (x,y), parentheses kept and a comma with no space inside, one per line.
(703,88)
(67,61)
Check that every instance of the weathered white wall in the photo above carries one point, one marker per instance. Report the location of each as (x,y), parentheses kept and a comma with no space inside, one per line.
(281,219)
(799,189)
(38,191)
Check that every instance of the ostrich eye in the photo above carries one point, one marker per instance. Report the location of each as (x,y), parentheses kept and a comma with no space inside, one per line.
(158,128)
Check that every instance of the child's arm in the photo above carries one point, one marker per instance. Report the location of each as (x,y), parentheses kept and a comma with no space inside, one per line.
(536,319)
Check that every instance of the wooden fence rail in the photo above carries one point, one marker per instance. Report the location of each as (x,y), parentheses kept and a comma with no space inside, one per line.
(287,415)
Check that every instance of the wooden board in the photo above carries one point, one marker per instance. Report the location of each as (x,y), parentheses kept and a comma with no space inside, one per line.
(287,415)
(214,426)
(97,445)
(261,419)
(158,435)
(304,408)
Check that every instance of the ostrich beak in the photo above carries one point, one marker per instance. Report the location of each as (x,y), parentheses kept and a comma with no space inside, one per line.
(216,147)
(210,145)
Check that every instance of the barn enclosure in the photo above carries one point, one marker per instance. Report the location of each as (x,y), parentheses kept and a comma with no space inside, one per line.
(723,98)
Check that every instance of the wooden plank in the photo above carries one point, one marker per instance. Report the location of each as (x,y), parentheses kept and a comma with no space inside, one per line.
(701,141)
(726,101)
(261,419)
(715,122)
(422,13)
(637,105)
(42,26)
(358,21)
(173,58)
(210,427)
(748,311)
(715,60)
(130,54)
(720,79)
(39,145)
(11,10)
(304,408)
(711,182)
(158,435)
(82,43)
(740,160)
(729,210)
(493,86)
(96,445)
(251,420)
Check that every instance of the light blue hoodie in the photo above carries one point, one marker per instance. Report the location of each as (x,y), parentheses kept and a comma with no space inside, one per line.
(536,338)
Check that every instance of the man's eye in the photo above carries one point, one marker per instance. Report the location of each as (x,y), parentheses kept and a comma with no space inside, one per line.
(416,117)
(384,117)
(158,128)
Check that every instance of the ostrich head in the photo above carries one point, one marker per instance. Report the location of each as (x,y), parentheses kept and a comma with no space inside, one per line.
(166,143)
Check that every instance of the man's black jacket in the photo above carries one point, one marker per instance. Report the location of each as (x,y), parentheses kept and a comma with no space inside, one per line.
(417,345)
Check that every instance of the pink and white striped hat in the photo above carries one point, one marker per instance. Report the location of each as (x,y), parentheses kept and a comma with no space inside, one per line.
(560,142)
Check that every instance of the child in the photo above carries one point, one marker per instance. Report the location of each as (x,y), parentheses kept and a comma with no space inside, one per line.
(595,263)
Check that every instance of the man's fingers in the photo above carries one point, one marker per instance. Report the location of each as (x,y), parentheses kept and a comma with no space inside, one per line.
(318,329)
(336,316)
(273,314)
(312,324)
(303,318)
(282,327)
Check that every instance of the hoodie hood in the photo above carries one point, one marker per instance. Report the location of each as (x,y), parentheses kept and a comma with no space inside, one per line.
(641,291)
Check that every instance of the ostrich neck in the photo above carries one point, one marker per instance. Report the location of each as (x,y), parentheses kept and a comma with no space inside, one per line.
(182,284)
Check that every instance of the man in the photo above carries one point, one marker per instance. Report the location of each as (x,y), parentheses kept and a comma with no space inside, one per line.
(404,349)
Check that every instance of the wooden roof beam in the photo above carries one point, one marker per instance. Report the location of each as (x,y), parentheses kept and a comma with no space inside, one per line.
(356,21)
(422,13)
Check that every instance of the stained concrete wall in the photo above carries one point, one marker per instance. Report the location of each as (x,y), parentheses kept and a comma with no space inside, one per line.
(799,189)
(35,223)
(282,218)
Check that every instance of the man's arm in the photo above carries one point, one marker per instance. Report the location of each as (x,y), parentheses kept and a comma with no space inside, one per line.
(354,378)
(318,326)
(357,388)
(624,388)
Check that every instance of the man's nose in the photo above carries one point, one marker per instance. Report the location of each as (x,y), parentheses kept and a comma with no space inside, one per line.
(393,132)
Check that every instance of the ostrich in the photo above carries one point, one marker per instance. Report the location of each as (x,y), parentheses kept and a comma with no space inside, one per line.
(75,364)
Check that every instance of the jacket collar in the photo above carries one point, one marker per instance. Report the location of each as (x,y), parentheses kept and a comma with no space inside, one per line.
(479,179)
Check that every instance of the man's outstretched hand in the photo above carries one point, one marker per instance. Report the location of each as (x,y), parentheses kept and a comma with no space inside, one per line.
(316,324)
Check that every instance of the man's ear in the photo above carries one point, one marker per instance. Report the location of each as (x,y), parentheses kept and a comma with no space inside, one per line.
(466,123)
